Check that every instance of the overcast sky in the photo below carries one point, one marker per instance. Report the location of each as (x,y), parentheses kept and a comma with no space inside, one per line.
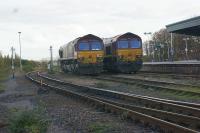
(56,22)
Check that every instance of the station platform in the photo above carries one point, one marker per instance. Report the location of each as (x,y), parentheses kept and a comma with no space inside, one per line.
(175,62)
(177,67)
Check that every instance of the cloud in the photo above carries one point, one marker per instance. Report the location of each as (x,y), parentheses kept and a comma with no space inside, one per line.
(56,22)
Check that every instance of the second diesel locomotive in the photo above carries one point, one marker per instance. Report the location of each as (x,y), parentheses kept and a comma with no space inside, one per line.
(83,55)
(123,53)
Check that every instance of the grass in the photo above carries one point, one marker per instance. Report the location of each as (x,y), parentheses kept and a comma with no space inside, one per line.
(101,85)
(2,88)
(3,76)
(102,127)
(28,121)
(178,96)
(28,68)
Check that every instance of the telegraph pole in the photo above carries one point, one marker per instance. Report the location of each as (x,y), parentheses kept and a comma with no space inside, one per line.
(13,66)
(51,61)
(20,50)
(148,33)
(172,49)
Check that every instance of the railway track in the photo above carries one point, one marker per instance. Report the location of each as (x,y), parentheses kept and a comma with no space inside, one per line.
(167,115)
(157,85)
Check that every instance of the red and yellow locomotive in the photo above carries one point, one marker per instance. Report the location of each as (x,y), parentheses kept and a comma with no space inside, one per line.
(123,53)
(83,55)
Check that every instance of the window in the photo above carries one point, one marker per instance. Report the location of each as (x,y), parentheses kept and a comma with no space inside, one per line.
(135,43)
(84,46)
(96,46)
(123,44)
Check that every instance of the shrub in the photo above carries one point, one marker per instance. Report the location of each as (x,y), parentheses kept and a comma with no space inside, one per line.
(28,68)
(102,128)
(32,121)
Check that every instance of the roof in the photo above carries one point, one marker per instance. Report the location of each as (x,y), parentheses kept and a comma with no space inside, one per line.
(188,27)
(115,38)
(75,41)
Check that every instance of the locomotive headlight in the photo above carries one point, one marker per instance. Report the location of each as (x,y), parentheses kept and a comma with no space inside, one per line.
(99,55)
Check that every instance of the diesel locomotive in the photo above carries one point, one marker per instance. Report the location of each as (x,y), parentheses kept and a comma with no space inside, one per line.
(83,55)
(123,53)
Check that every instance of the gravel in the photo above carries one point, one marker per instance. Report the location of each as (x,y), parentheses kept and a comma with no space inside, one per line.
(66,115)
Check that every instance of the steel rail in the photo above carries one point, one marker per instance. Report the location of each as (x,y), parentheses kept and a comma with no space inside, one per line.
(145,119)
(131,97)
(194,105)
(127,81)
(188,121)
(160,82)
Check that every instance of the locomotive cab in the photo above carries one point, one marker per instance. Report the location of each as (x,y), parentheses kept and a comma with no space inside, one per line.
(90,51)
(123,53)
(83,55)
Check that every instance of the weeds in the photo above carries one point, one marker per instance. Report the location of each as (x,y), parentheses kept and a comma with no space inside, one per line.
(1,88)
(100,85)
(3,76)
(31,121)
(124,116)
(101,128)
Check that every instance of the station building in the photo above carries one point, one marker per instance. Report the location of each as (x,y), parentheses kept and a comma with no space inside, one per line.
(190,27)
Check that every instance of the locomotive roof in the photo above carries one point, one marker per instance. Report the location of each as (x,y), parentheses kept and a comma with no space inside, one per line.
(115,38)
(75,41)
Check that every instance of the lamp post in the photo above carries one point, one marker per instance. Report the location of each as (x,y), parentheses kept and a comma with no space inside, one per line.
(168,49)
(20,50)
(148,49)
(51,59)
(172,49)
(186,46)
(13,65)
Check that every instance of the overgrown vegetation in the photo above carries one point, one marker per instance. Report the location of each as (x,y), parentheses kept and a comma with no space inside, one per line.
(31,121)
(29,65)
(100,85)
(4,70)
(102,128)
(5,67)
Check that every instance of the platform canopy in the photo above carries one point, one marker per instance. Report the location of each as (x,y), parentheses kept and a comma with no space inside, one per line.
(188,27)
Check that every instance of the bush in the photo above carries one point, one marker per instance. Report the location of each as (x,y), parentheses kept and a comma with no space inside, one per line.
(102,128)
(32,121)
(28,68)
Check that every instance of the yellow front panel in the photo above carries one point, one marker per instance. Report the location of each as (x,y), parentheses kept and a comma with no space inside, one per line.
(129,54)
(89,56)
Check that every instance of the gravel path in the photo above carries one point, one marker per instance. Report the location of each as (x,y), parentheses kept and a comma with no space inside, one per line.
(67,115)
(18,95)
